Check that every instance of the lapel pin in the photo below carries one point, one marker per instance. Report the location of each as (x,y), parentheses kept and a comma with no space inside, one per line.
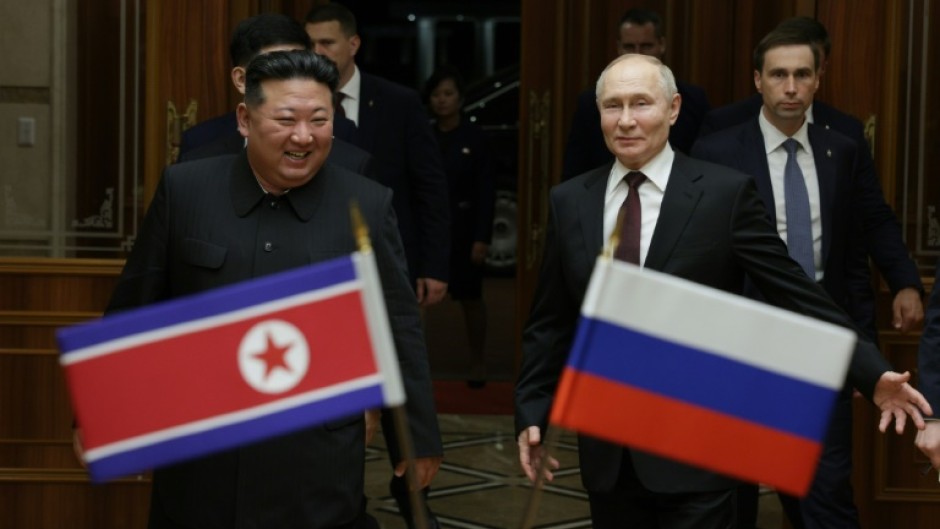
(465,150)
(371,102)
(829,153)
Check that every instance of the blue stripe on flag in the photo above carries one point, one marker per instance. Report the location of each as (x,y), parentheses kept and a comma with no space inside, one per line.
(224,437)
(210,303)
(702,378)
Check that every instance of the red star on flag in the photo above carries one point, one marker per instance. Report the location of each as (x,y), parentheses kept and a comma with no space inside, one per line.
(274,356)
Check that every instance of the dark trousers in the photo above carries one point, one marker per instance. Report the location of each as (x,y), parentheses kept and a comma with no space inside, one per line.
(829,503)
(631,506)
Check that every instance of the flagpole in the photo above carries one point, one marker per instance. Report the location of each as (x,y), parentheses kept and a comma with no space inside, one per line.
(532,506)
(399,416)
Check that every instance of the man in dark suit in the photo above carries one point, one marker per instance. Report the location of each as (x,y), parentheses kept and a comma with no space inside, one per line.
(699,221)
(252,37)
(276,206)
(786,75)
(928,373)
(641,31)
(392,125)
(884,242)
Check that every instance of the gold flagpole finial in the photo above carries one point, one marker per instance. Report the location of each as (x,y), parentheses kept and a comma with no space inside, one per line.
(360,229)
(608,251)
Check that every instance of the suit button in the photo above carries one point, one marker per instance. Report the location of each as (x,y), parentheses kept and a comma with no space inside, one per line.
(274,204)
(268,247)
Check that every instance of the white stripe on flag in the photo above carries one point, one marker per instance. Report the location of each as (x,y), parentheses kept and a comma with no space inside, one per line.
(383,345)
(187,327)
(226,419)
(724,324)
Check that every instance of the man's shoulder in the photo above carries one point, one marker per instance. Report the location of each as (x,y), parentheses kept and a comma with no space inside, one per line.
(208,130)
(384,88)
(734,113)
(712,172)
(830,117)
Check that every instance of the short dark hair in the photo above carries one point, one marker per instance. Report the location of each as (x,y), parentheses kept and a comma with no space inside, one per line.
(284,65)
(333,12)
(440,75)
(641,17)
(258,32)
(783,37)
(814,30)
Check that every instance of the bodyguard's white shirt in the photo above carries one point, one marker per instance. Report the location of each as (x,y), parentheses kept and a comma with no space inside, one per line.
(776,162)
(352,91)
(651,192)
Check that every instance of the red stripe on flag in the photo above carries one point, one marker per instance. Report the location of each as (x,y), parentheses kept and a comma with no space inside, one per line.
(196,376)
(670,428)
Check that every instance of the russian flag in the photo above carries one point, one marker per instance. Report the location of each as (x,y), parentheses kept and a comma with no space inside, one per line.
(701,376)
(195,375)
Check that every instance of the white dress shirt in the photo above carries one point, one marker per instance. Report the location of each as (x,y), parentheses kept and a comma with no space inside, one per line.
(776,162)
(352,91)
(651,192)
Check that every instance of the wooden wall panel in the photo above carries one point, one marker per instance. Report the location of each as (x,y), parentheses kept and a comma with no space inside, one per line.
(42,484)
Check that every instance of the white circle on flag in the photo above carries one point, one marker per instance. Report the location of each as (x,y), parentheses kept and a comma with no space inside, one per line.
(273,356)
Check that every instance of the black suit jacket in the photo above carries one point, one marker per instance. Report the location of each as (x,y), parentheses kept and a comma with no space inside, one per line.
(713,229)
(586,148)
(881,227)
(393,127)
(845,269)
(210,225)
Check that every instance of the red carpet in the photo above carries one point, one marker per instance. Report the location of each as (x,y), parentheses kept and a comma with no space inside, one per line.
(453,396)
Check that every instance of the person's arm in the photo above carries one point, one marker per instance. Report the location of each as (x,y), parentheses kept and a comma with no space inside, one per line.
(764,257)
(430,202)
(884,241)
(410,347)
(546,339)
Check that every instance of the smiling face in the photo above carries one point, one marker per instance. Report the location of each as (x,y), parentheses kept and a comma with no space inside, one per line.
(289,134)
(787,82)
(635,112)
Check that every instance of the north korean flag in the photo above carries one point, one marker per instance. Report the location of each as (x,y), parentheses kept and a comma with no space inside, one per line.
(194,375)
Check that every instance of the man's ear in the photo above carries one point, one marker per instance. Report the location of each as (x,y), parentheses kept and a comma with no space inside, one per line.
(757,81)
(242,113)
(238,78)
(354,43)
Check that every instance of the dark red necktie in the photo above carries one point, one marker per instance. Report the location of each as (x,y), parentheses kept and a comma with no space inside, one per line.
(629,248)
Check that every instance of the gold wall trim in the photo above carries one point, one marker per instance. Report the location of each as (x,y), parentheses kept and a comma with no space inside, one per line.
(36,318)
(31,266)
(6,351)
(60,475)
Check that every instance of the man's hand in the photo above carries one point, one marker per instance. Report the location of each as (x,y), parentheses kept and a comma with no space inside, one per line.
(928,440)
(373,418)
(897,399)
(430,291)
(425,470)
(908,309)
(531,453)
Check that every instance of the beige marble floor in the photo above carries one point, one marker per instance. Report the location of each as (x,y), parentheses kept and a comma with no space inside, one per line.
(480,485)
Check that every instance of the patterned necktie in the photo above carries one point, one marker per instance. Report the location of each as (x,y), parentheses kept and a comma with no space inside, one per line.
(799,222)
(629,248)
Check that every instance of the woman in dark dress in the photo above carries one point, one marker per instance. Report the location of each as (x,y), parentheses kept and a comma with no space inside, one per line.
(472,197)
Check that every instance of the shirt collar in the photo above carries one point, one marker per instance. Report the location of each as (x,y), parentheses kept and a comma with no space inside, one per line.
(247,193)
(773,138)
(353,88)
(657,170)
